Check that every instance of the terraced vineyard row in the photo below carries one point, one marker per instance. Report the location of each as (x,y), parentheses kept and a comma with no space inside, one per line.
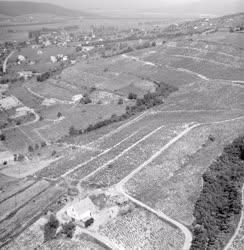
(131,159)
(140,229)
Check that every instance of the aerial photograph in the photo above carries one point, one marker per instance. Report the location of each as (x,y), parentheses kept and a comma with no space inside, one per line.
(122,125)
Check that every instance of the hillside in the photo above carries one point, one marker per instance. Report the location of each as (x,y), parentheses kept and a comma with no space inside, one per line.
(23,8)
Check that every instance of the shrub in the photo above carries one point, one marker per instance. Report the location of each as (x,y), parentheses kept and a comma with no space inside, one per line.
(43,144)
(120,101)
(43,77)
(50,228)
(30,149)
(73,131)
(85,100)
(132,96)
(68,229)
(2,137)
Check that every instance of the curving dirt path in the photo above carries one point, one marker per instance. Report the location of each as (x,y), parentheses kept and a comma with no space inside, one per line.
(6,61)
(120,188)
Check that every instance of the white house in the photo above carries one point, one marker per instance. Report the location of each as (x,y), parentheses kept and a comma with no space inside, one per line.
(25,74)
(21,58)
(77,98)
(82,211)
(53,59)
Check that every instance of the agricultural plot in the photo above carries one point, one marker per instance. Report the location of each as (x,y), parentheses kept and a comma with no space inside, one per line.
(207,95)
(205,55)
(233,39)
(21,198)
(172,182)
(110,153)
(139,229)
(131,158)
(79,116)
(208,69)
(49,90)
(211,46)
(27,214)
(68,161)
(83,243)
(25,96)
(16,141)
(13,187)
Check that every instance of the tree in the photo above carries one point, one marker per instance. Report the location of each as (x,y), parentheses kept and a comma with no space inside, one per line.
(2,137)
(50,228)
(59,115)
(73,131)
(132,96)
(68,229)
(120,101)
(85,100)
(30,149)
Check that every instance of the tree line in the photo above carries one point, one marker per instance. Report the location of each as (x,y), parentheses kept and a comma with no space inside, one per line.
(219,205)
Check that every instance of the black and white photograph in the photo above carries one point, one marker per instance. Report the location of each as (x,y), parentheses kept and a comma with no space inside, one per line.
(122,125)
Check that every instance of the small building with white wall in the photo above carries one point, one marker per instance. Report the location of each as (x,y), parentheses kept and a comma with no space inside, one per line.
(82,212)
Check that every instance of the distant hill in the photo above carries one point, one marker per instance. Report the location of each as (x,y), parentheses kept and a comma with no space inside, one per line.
(214,7)
(13,9)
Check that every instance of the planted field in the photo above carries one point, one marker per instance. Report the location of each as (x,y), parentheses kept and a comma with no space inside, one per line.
(13,188)
(208,95)
(21,198)
(49,90)
(131,158)
(79,116)
(206,55)
(208,69)
(26,97)
(172,182)
(212,46)
(139,229)
(27,214)
(16,141)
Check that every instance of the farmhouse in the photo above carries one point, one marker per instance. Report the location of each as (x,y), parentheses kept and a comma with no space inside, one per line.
(77,98)
(25,74)
(53,59)
(82,211)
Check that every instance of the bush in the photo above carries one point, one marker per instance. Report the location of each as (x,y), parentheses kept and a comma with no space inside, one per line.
(30,149)
(2,137)
(43,144)
(50,228)
(43,77)
(68,229)
(132,96)
(73,131)
(120,101)
(85,100)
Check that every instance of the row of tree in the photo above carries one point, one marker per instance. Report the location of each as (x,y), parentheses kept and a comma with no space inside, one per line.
(219,205)
(148,101)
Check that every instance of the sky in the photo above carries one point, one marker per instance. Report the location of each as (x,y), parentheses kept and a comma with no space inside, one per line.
(204,5)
